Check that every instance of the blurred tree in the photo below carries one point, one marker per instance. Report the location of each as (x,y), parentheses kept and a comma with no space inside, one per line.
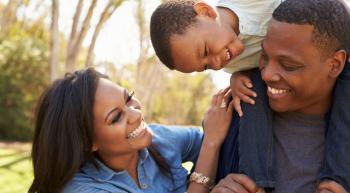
(106,14)
(8,15)
(54,41)
(23,66)
(23,76)
(78,35)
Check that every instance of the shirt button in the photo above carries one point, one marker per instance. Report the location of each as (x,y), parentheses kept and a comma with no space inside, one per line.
(144,186)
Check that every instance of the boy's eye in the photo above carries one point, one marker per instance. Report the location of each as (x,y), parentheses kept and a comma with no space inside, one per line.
(206,52)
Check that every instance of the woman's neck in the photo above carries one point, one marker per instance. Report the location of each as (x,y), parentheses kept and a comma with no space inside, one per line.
(127,162)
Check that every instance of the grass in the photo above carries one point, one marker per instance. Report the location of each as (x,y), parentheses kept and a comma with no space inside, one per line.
(16,172)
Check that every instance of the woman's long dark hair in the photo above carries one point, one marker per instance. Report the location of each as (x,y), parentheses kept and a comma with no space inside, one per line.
(63,134)
(63,130)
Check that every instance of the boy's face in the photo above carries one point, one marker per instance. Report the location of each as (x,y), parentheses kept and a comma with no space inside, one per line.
(208,44)
(298,78)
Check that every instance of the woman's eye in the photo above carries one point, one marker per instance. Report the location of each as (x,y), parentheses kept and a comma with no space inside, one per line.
(116,118)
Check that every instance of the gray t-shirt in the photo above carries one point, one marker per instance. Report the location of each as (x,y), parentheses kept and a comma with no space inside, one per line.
(299,147)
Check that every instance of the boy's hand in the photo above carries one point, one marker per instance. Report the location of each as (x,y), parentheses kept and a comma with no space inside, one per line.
(330,186)
(241,90)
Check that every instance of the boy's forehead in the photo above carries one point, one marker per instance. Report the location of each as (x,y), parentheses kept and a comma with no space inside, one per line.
(185,51)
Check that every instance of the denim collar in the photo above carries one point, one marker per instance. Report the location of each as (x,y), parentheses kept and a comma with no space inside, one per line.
(104,173)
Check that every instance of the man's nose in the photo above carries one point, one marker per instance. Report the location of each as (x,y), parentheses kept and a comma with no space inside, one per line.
(270,73)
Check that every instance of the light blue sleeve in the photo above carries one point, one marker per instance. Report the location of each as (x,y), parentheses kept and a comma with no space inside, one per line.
(177,143)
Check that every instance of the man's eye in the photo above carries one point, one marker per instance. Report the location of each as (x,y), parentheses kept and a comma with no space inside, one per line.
(291,68)
(264,58)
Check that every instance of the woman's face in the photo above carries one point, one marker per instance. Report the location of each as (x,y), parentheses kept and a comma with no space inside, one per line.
(119,127)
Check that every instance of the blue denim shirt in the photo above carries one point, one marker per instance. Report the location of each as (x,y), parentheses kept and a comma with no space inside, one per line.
(175,144)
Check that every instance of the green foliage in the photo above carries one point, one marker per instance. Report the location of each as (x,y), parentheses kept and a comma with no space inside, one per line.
(16,172)
(23,76)
(184,99)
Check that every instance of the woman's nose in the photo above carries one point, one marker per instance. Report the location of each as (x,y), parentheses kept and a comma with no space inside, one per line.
(134,114)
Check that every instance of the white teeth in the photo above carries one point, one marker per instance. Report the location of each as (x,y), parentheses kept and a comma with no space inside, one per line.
(137,131)
(276,91)
(228,55)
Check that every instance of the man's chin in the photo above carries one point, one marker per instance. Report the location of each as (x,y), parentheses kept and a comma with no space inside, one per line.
(277,107)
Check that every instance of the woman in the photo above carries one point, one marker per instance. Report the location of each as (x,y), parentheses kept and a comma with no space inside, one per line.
(90,136)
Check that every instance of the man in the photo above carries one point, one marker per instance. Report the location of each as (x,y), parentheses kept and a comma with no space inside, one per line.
(303,55)
(190,36)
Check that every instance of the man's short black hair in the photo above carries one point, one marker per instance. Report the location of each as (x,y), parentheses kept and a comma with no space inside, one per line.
(170,18)
(330,19)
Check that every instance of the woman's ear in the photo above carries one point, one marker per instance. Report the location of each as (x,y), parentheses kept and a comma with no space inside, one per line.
(204,9)
(94,147)
(337,64)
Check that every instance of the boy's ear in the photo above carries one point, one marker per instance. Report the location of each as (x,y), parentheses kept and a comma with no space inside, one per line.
(202,8)
(337,63)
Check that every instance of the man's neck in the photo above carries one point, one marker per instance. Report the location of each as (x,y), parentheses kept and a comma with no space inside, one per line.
(229,17)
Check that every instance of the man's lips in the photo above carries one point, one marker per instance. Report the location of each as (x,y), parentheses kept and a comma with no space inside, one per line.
(277,92)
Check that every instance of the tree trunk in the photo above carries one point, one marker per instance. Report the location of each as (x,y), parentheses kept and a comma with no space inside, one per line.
(75,25)
(54,40)
(106,14)
(9,14)
(77,41)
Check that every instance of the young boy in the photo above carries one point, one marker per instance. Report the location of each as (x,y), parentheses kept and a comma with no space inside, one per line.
(193,36)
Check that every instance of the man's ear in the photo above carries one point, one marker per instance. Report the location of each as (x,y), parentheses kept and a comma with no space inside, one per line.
(337,63)
(202,8)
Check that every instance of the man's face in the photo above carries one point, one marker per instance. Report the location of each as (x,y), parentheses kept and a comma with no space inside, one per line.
(296,75)
(205,45)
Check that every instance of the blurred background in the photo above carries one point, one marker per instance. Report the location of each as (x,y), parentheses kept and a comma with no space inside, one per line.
(41,40)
